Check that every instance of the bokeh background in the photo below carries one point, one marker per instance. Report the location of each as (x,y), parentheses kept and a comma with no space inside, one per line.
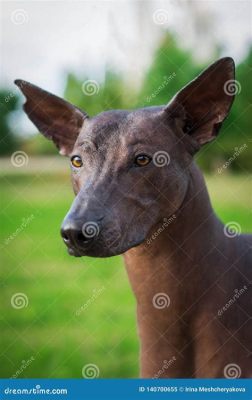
(61,314)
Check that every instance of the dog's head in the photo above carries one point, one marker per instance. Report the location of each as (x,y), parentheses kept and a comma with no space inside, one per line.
(130,168)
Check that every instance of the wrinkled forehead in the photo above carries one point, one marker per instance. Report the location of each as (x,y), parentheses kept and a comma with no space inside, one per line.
(124,127)
(104,127)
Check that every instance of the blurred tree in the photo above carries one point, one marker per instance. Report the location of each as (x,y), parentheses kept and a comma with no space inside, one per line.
(236,132)
(8,104)
(172,68)
(94,98)
(90,96)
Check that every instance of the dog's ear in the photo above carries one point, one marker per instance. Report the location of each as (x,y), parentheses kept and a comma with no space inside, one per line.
(204,103)
(54,117)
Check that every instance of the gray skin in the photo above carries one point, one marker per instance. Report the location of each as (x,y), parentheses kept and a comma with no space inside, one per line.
(106,194)
(120,205)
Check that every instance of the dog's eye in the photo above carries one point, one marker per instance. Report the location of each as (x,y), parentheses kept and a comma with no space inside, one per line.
(142,160)
(76,161)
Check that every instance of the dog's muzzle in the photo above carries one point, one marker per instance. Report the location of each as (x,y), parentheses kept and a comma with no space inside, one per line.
(78,235)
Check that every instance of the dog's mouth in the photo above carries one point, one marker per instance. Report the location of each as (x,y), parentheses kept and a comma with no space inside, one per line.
(74,252)
(103,240)
(101,249)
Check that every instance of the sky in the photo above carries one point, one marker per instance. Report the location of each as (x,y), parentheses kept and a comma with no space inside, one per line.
(40,41)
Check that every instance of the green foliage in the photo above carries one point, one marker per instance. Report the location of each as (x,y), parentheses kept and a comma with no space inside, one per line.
(236,132)
(56,329)
(8,104)
(80,311)
(38,145)
(110,94)
(171,69)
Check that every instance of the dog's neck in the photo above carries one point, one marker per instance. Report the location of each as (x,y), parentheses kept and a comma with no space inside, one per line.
(164,276)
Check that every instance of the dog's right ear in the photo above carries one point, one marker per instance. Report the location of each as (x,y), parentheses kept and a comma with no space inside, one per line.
(54,117)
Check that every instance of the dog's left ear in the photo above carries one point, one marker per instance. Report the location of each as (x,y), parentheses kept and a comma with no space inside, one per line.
(204,103)
(54,117)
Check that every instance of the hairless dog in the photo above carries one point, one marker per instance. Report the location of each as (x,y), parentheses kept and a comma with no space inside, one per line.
(140,193)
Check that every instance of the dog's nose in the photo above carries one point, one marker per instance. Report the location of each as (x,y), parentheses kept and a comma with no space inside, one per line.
(77,234)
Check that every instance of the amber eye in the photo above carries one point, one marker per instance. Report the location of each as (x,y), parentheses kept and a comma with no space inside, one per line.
(142,160)
(76,161)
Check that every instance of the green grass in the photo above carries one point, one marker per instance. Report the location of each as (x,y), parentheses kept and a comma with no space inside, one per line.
(35,262)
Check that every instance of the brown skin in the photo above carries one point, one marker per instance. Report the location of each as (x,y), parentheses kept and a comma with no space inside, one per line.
(122,199)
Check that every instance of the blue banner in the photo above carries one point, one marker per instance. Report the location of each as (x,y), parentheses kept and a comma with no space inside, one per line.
(85,389)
